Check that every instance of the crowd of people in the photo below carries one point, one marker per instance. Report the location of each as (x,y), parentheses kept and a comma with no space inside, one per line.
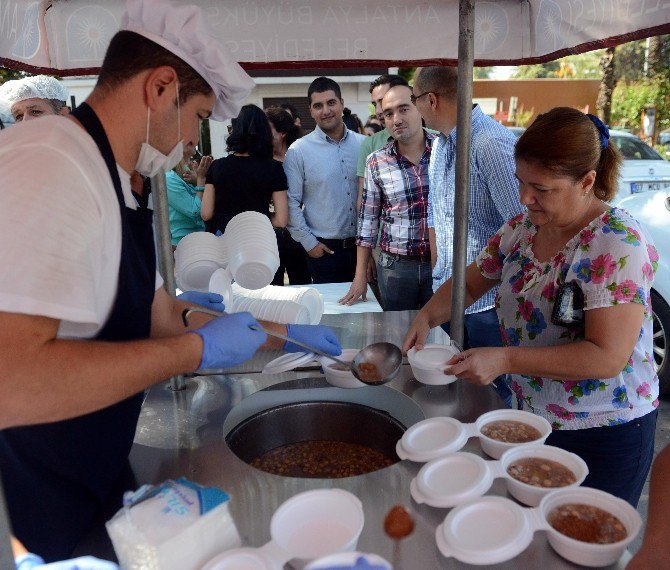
(553,269)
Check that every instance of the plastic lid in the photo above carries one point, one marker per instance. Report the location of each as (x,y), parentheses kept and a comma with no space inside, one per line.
(451,480)
(489,530)
(431,438)
(289,361)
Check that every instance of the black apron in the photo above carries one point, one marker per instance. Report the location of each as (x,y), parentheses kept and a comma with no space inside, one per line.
(56,476)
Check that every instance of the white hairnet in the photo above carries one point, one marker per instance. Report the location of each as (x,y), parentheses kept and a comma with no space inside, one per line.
(36,87)
(183,30)
(5,114)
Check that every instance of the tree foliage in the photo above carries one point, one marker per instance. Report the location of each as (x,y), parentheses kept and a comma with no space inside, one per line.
(483,72)
(9,74)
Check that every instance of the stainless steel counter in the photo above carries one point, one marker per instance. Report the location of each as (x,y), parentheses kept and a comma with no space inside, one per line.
(182,433)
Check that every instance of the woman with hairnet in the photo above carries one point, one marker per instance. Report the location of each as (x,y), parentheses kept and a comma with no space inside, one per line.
(34,97)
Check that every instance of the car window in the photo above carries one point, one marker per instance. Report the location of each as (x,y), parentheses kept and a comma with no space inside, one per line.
(634,149)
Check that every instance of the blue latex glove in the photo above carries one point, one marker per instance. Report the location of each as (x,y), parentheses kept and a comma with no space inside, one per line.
(228,340)
(212,301)
(34,562)
(317,336)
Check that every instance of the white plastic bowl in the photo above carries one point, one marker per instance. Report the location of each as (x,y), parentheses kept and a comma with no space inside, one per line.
(427,363)
(316,523)
(341,378)
(253,269)
(585,553)
(495,448)
(529,494)
(221,282)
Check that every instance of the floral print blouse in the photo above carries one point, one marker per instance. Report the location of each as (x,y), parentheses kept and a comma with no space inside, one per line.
(612,262)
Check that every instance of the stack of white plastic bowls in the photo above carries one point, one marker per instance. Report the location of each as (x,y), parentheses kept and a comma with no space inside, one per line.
(252,246)
(275,311)
(308,297)
(197,257)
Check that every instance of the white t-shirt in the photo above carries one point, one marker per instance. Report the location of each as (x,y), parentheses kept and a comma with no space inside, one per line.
(60,226)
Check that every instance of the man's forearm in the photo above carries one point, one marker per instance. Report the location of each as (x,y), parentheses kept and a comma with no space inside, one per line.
(433,247)
(67,378)
(362,257)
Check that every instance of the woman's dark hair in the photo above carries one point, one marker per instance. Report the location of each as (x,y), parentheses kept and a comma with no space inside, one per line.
(374,126)
(130,53)
(351,120)
(565,141)
(283,123)
(291,110)
(251,133)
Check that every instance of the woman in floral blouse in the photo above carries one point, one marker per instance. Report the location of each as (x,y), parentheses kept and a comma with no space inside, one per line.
(590,373)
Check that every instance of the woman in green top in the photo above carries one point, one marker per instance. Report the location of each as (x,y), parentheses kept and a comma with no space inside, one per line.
(185,186)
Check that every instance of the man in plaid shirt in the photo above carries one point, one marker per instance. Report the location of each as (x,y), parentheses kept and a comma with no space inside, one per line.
(396,196)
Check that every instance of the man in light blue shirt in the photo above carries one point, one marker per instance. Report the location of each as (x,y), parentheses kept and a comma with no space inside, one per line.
(494,193)
(321,172)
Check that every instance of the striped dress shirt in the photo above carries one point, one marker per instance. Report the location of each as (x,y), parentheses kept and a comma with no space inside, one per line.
(396,194)
(494,194)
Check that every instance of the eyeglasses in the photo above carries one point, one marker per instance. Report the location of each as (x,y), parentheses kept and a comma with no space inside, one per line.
(414,98)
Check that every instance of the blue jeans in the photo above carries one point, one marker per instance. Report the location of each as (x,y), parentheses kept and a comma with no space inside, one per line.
(618,457)
(404,284)
(482,329)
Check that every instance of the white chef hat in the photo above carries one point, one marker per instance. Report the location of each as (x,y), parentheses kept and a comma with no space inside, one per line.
(36,87)
(184,31)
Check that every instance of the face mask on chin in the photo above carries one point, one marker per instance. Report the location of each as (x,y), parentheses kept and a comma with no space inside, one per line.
(152,161)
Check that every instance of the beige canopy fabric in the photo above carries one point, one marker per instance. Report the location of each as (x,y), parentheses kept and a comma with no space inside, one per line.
(69,37)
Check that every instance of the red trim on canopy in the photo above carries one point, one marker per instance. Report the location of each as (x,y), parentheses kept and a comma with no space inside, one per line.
(354,63)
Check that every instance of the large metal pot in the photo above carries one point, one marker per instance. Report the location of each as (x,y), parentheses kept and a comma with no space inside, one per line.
(310,421)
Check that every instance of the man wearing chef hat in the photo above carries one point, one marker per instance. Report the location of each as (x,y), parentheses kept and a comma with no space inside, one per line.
(85,325)
(33,97)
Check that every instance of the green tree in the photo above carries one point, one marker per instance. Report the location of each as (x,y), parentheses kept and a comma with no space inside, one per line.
(629,99)
(7,74)
(483,72)
(537,71)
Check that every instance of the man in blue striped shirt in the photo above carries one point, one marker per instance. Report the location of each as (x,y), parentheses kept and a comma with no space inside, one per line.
(494,193)
(321,173)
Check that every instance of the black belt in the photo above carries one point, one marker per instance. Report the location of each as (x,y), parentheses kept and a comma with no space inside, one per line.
(346,243)
(419,258)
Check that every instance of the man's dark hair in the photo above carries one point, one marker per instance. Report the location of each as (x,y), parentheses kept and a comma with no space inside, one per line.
(321,84)
(129,54)
(251,133)
(390,80)
(291,109)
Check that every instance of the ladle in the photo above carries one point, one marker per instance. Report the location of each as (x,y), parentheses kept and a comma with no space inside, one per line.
(376,364)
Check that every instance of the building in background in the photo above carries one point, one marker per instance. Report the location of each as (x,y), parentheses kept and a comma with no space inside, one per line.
(290,86)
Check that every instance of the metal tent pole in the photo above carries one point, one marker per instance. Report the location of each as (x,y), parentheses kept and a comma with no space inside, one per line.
(164,247)
(6,555)
(466,49)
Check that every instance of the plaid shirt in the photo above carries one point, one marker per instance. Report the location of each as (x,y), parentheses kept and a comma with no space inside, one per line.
(494,194)
(396,194)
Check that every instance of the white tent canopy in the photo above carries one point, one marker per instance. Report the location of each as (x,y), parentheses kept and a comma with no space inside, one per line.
(69,37)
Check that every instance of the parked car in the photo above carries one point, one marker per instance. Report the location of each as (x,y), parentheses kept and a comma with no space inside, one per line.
(644,191)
